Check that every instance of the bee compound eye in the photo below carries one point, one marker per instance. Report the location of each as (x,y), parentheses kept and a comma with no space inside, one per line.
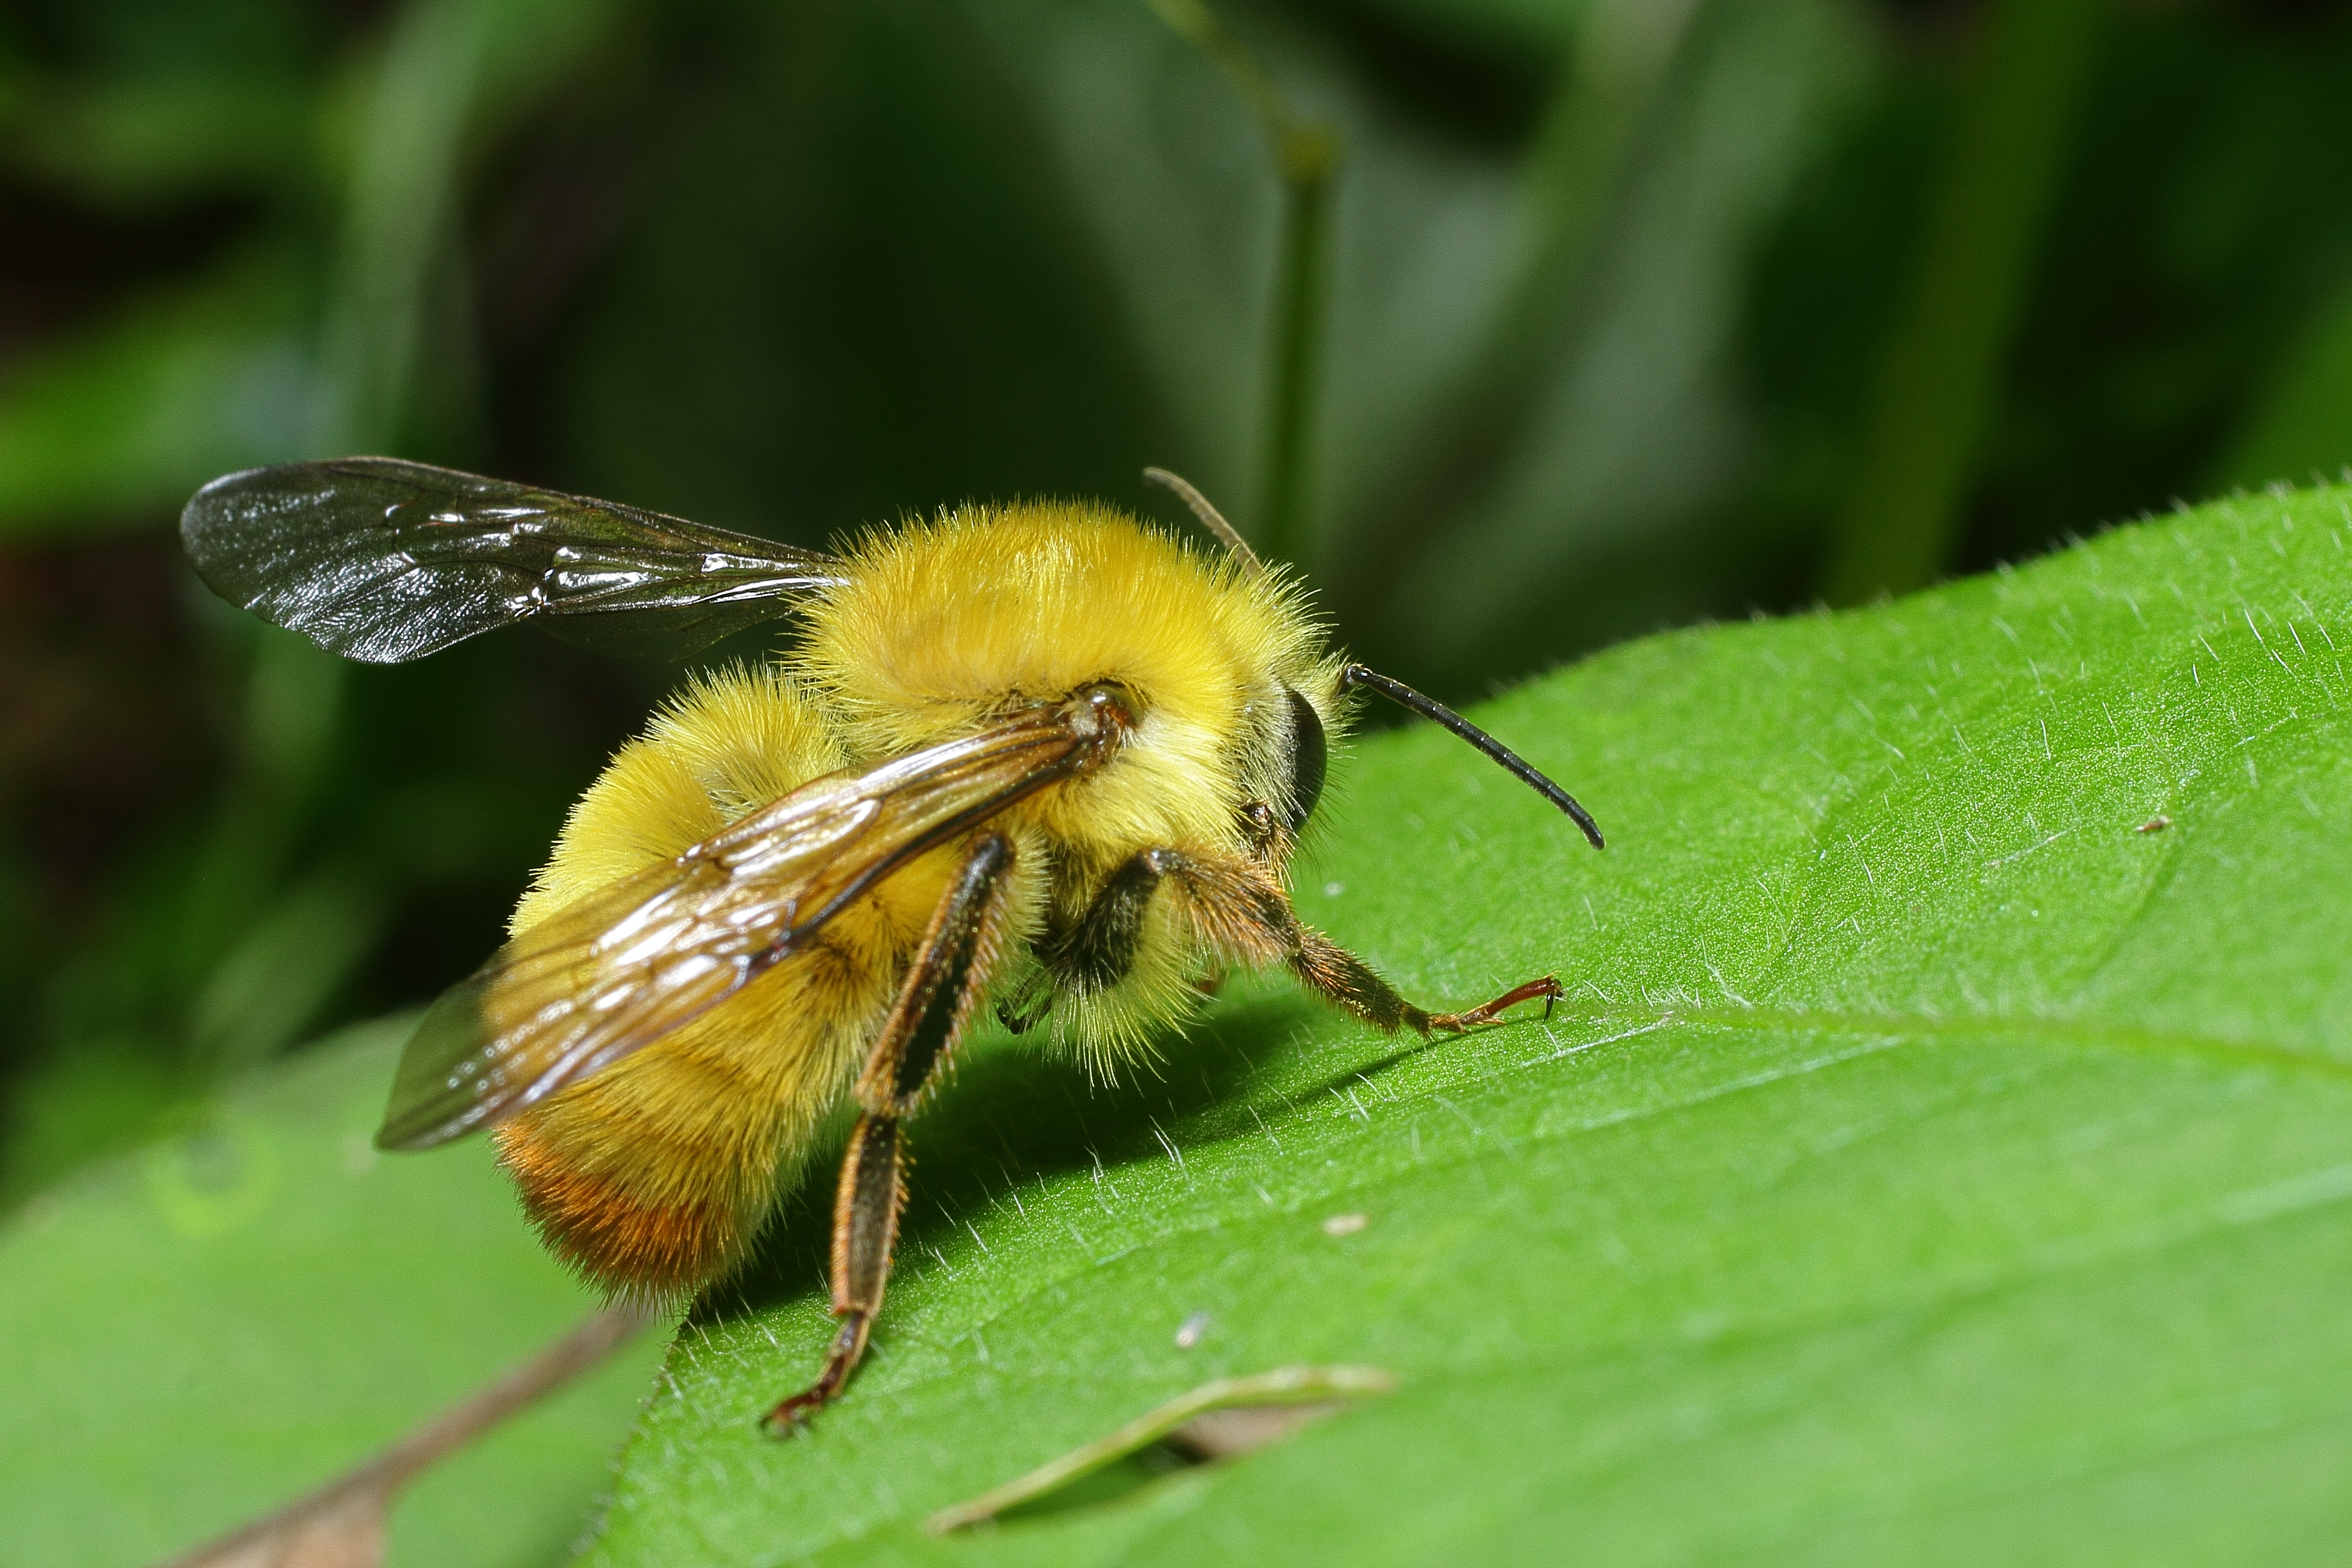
(1310,757)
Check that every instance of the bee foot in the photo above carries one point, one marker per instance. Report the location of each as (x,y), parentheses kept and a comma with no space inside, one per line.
(791,1417)
(1548,988)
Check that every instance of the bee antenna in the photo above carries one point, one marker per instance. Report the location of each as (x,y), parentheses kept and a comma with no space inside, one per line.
(1211,518)
(1518,766)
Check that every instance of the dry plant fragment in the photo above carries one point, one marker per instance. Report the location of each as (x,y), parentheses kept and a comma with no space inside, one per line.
(342,1525)
(1218,1420)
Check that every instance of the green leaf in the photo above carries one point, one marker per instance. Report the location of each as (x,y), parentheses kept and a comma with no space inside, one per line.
(205,1330)
(1935,1160)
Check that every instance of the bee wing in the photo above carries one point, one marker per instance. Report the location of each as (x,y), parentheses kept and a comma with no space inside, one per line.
(385,560)
(622,967)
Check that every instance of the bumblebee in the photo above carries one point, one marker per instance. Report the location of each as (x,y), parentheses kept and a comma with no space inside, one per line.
(1037,756)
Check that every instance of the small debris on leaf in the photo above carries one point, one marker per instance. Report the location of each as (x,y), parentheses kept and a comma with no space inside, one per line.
(1346,1223)
(1218,1420)
(1191,1330)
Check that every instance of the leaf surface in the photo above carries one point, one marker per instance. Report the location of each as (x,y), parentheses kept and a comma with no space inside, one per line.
(1935,1158)
(205,1329)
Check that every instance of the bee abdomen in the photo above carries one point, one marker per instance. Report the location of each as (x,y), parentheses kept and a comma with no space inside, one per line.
(628,1241)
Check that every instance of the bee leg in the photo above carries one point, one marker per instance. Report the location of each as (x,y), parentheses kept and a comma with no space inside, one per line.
(1262,829)
(1326,967)
(1096,952)
(1240,911)
(865,1227)
(941,992)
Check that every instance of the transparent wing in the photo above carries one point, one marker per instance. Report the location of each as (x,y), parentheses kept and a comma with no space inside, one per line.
(624,966)
(384,561)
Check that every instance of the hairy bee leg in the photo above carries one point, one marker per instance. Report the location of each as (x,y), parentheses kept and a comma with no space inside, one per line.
(1325,967)
(1235,906)
(1098,949)
(942,991)
(866,1207)
(1238,911)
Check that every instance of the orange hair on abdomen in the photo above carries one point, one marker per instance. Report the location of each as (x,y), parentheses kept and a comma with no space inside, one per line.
(655,1175)
(630,1248)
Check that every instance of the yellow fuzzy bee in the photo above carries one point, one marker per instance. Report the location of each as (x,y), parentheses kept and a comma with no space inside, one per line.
(1037,754)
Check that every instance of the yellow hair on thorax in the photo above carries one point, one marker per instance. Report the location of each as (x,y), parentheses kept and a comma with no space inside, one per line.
(944,627)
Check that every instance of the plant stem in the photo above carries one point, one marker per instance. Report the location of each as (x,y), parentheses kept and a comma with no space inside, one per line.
(1936,388)
(401,202)
(1306,157)
(1295,333)
(1621,64)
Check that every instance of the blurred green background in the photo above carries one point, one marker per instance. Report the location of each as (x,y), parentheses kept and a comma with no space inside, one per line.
(1525,325)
